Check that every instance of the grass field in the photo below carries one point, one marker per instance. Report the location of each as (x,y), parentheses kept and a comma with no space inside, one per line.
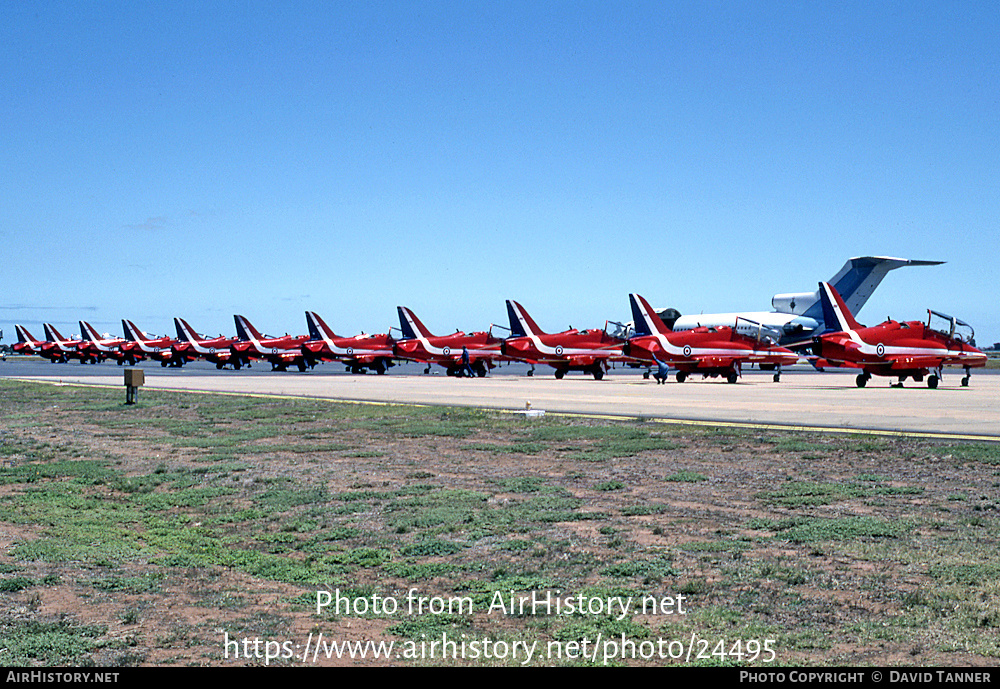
(156,534)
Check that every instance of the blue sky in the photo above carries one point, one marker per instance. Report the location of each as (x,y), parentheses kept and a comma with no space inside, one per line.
(201,159)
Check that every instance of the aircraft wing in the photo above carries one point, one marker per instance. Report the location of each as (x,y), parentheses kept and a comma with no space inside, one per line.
(582,359)
(911,362)
(371,357)
(593,357)
(716,361)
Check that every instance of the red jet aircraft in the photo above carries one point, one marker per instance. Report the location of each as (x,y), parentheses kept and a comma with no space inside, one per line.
(138,346)
(357,353)
(57,348)
(96,348)
(281,352)
(418,344)
(190,346)
(712,351)
(26,343)
(571,350)
(909,349)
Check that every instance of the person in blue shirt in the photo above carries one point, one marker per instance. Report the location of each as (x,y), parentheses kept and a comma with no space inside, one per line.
(466,365)
(661,371)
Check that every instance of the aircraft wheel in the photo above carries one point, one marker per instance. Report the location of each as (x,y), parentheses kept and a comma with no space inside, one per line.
(163,364)
(965,382)
(932,382)
(731,378)
(219,366)
(777,377)
(861,380)
(559,374)
(302,366)
(681,376)
(427,370)
(598,373)
(531,372)
(645,376)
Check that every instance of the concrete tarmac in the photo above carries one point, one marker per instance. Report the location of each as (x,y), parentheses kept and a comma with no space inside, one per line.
(803,398)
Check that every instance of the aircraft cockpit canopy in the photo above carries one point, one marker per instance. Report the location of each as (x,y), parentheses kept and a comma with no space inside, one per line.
(757,331)
(950,326)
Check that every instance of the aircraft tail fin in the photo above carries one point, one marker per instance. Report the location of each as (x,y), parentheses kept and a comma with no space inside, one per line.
(245,330)
(185,333)
(410,325)
(647,321)
(318,327)
(855,282)
(23,335)
(132,332)
(87,332)
(51,334)
(521,324)
(836,315)
(858,279)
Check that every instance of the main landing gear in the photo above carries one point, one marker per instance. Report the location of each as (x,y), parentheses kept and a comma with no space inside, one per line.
(596,370)
(932,380)
(731,376)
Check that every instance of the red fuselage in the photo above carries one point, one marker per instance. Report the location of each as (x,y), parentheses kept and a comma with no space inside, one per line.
(446,350)
(710,351)
(570,350)
(356,352)
(893,348)
(157,349)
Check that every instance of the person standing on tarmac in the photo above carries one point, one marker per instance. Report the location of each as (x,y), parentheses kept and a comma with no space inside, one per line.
(466,366)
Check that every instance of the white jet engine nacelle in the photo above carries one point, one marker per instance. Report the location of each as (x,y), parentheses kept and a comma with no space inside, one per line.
(797,303)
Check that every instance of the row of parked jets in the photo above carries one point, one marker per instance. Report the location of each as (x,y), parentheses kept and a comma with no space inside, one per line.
(819,326)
